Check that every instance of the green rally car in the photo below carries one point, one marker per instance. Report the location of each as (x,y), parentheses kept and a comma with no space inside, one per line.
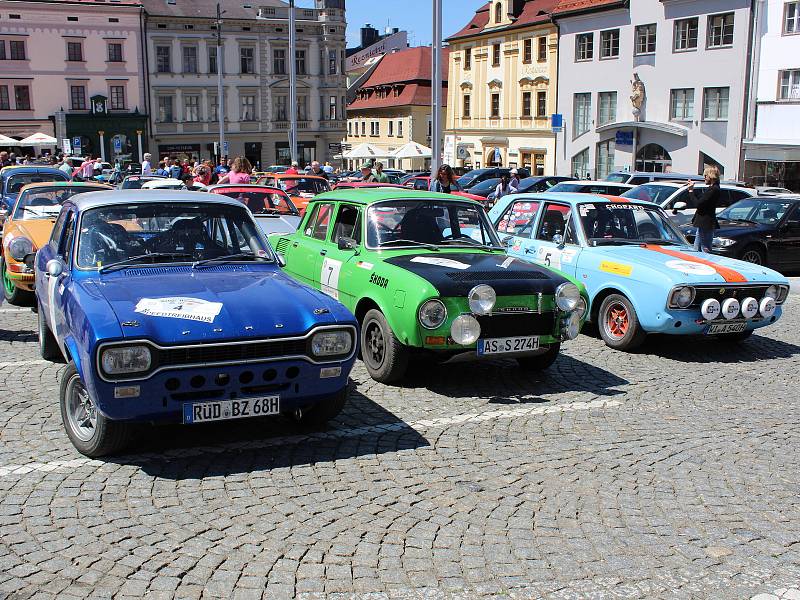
(425,273)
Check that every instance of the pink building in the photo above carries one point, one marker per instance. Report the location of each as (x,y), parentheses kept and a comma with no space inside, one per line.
(73,69)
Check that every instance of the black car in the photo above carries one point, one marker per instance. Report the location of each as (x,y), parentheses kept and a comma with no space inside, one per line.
(534,185)
(484,188)
(763,230)
(472,178)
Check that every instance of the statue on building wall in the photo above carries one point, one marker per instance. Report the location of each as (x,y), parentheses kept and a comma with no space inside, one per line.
(637,96)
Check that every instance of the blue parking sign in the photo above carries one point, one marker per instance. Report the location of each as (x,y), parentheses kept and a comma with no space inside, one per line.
(117,145)
(76,145)
(557,122)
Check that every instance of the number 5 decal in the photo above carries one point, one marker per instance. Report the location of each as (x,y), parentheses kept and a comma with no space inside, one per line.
(329,277)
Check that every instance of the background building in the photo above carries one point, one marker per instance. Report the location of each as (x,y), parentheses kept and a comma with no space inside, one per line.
(690,60)
(71,69)
(772,147)
(503,67)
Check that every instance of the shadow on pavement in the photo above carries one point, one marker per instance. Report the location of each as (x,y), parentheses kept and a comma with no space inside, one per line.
(697,349)
(18,336)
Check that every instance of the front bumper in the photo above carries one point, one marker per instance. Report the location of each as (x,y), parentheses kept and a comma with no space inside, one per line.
(691,322)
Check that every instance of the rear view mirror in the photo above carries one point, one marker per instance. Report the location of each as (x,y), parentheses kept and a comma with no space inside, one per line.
(54,267)
(558,240)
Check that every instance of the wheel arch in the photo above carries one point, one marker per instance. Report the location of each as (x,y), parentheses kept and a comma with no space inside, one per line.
(756,243)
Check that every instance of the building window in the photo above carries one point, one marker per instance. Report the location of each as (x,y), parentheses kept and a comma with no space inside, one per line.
(247,60)
(189,59)
(248,105)
(606,108)
(332,108)
(527,51)
(279,61)
(580,163)
(498,12)
(302,108)
(191,108)
(349,128)
(681,104)
(582,107)
(584,46)
(22,97)
(645,39)
(495,55)
(163,59)
(117,97)
(605,159)
(391,128)
(790,85)
(300,61)
(609,43)
(720,30)
(5,102)
(541,104)
(495,108)
(466,105)
(399,129)
(375,128)
(526,104)
(213,109)
(333,63)
(279,106)
(542,51)
(212,59)
(75,51)
(685,34)
(77,97)
(791,18)
(363,128)
(3,50)
(115,52)
(17,49)
(467,59)
(715,103)
(165,109)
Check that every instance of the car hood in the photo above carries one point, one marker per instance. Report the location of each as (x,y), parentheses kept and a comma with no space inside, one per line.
(271,224)
(180,305)
(455,274)
(682,264)
(36,230)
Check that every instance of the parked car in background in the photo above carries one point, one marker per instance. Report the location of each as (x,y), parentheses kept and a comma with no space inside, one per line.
(534,185)
(765,190)
(604,188)
(135,182)
(484,188)
(472,178)
(679,203)
(762,230)
(300,187)
(272,208)
(640,177)
(166,183)
(14,178)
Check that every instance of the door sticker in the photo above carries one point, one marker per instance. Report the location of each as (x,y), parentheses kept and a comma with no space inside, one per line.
(568,255)
(616,268)
(329,277)
(549,256)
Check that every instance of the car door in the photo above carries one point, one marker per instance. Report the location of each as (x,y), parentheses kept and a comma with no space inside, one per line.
(336,266)
(45,254)
(308,247)
(785,248)
(58,286)
(556,241)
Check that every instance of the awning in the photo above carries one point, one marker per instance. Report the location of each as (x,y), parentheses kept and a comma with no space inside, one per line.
(772,150)
(39,139)
(649,125)
(366,151)
(412,150)
(8,141)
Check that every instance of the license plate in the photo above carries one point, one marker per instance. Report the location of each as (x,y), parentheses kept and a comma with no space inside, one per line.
(508,345)
(717,328)
(222,410)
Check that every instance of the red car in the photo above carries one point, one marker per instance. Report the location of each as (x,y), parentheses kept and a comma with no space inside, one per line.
(349,185)
(423,182)
(272,208)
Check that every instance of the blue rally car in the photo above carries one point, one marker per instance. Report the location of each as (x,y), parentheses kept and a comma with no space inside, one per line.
(641,274)
(172,307)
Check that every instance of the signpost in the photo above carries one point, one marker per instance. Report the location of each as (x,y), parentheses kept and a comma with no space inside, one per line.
(66,146)
(117,144)
(76,145)
(557,122)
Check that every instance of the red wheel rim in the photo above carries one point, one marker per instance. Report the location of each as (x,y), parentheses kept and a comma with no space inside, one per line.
(617,320)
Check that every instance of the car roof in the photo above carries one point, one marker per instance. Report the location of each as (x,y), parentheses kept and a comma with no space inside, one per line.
(372,195)
(574,198)
(244,186)
(295,176)
(15,169)
(66,184)
(104,198)
(594,182)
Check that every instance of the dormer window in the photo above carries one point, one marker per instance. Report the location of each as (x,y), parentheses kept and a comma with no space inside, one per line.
(498,12)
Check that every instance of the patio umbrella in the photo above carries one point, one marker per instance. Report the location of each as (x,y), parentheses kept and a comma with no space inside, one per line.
(366,151)
(412,150)
(38,139)
(8,141)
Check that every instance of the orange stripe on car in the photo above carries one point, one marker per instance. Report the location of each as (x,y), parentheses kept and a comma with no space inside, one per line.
(729,275)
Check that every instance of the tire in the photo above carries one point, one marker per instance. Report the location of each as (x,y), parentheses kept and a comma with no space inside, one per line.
(12,293)
(540,362)
(735,338)
(753,254)
(318,416)
(91,433)
(618,324)
(48,347)
(384,356)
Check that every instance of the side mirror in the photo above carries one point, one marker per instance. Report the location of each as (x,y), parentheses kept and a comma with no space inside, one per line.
(558,240)
(506,241)
(679,206)
(54,267)
(346,243)
(281,259)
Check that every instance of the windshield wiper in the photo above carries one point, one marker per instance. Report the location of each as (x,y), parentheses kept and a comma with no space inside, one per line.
(614,242)
(411,242)
(137,259)
(230,257)
(469,243)
(750,221)
(39,213)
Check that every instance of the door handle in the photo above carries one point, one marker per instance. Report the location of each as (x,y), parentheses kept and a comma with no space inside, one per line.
(323,252)
(294,245)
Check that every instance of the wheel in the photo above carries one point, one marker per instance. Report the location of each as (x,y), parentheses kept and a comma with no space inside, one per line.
(384,356)
(318,415)
(540,362)
(735,338)
(13,294)
(753,254)
(48,347)
(618,324)
(91,433)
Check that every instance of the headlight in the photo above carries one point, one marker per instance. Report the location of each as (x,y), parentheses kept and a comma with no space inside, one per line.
(710,309)
(749,308)
(126,360)
(782,294)
(772,291)
(571,326)
(582,308)
(731,308)
(19,247)
(720,242)
(682,297)
(482,299)
(432,314)
(331,343)
(567,296)
(465,330)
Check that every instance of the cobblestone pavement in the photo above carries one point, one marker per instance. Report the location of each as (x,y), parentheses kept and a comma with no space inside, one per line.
(667,473)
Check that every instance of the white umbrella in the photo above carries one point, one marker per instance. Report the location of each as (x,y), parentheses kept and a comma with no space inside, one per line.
(366,151)
(8,141)
(38,139)
(412,150)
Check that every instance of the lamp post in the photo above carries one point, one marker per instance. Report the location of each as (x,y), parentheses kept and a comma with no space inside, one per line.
(436,96)
(292,84)
(220,91)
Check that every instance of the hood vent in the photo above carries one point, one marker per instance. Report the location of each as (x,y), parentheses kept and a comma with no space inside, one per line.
(182,269)
(481,276)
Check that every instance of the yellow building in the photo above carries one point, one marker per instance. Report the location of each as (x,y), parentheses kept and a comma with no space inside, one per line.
(502,88)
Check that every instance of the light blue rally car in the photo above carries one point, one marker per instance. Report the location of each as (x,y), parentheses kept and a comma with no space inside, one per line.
(641,274)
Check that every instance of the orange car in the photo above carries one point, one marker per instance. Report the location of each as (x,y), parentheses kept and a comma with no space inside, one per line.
(28,226)
(301,188)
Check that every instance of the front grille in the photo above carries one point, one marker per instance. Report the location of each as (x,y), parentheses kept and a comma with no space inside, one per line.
(194,355)
(493,326)
(504,275)
(182,269)
(721,293)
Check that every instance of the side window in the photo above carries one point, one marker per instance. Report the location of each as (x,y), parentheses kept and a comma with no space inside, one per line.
(58,228)
(597,189)
(317,226)
(65,242)
(518,216)
(737,195)
(638,180)
(553,222)
(724,199)
(420,184)
(682,197)
(348,224)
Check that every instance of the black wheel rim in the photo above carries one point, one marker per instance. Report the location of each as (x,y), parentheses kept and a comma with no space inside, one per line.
(752,256)
(374,345)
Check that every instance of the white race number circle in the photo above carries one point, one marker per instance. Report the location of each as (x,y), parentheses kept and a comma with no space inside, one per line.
(690,268)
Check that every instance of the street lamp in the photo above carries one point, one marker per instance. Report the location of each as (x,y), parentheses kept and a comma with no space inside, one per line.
(436,96)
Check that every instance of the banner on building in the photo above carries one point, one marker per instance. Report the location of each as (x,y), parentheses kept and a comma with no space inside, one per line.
(396,41)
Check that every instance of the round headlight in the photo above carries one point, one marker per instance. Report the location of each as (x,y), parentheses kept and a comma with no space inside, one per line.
(767,307)
(432,314)
(482,299)
(772,291)
(20,246)
(683,297)
(582,308)
(567,296)
(465,330)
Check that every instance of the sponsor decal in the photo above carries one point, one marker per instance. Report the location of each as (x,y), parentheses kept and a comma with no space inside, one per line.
(191,309)
(381,282)
(700,266)
(689,268)
(368,266)
(440,262)
(567,255)
(506,263)
(616,268)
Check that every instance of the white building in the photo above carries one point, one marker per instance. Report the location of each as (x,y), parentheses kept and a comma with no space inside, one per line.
(690,57)
(772,144)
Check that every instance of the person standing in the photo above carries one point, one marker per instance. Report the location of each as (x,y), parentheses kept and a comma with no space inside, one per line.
(175,169)
(85,171)
(240,173)
(318,171)
(367,176)
(294,169)
(514,183)
(162,170)
(4,162)
(380,176)
(328,168)
(445,181)
(65,167)
(147,165)
(503,188)
(705,218)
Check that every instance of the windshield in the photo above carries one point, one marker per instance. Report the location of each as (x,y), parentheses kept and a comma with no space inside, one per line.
(304,185)
(171,232)
(627,223)
(45,202)
(17,182)
(400,223)
(271,203)
(467,179)
(765,212)
(618,178)
(651,192)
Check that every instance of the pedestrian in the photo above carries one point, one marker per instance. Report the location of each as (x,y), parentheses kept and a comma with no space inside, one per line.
(175,170)
(4,162)
(503,188)
(202,174)
(294,169)
(317,170)
(367,175)
(240,172)
(514,183)
(445,181)
(12,159)
(147,165)
(380,176)
(98,166)
(65,167)
(705,218)
(85,171)
(328,168)
(162,169)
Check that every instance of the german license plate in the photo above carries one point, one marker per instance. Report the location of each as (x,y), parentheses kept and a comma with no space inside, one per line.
(222,410)
(717,328)
(509,345)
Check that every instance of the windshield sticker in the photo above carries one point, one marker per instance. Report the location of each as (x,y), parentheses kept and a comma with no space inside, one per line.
(440,262)
(368,266)
(616,268)
(506,263)
(690,268)
(192,309)
(585,208)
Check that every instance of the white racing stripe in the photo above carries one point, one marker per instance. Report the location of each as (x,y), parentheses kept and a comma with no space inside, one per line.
(23,363)
(438,423)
